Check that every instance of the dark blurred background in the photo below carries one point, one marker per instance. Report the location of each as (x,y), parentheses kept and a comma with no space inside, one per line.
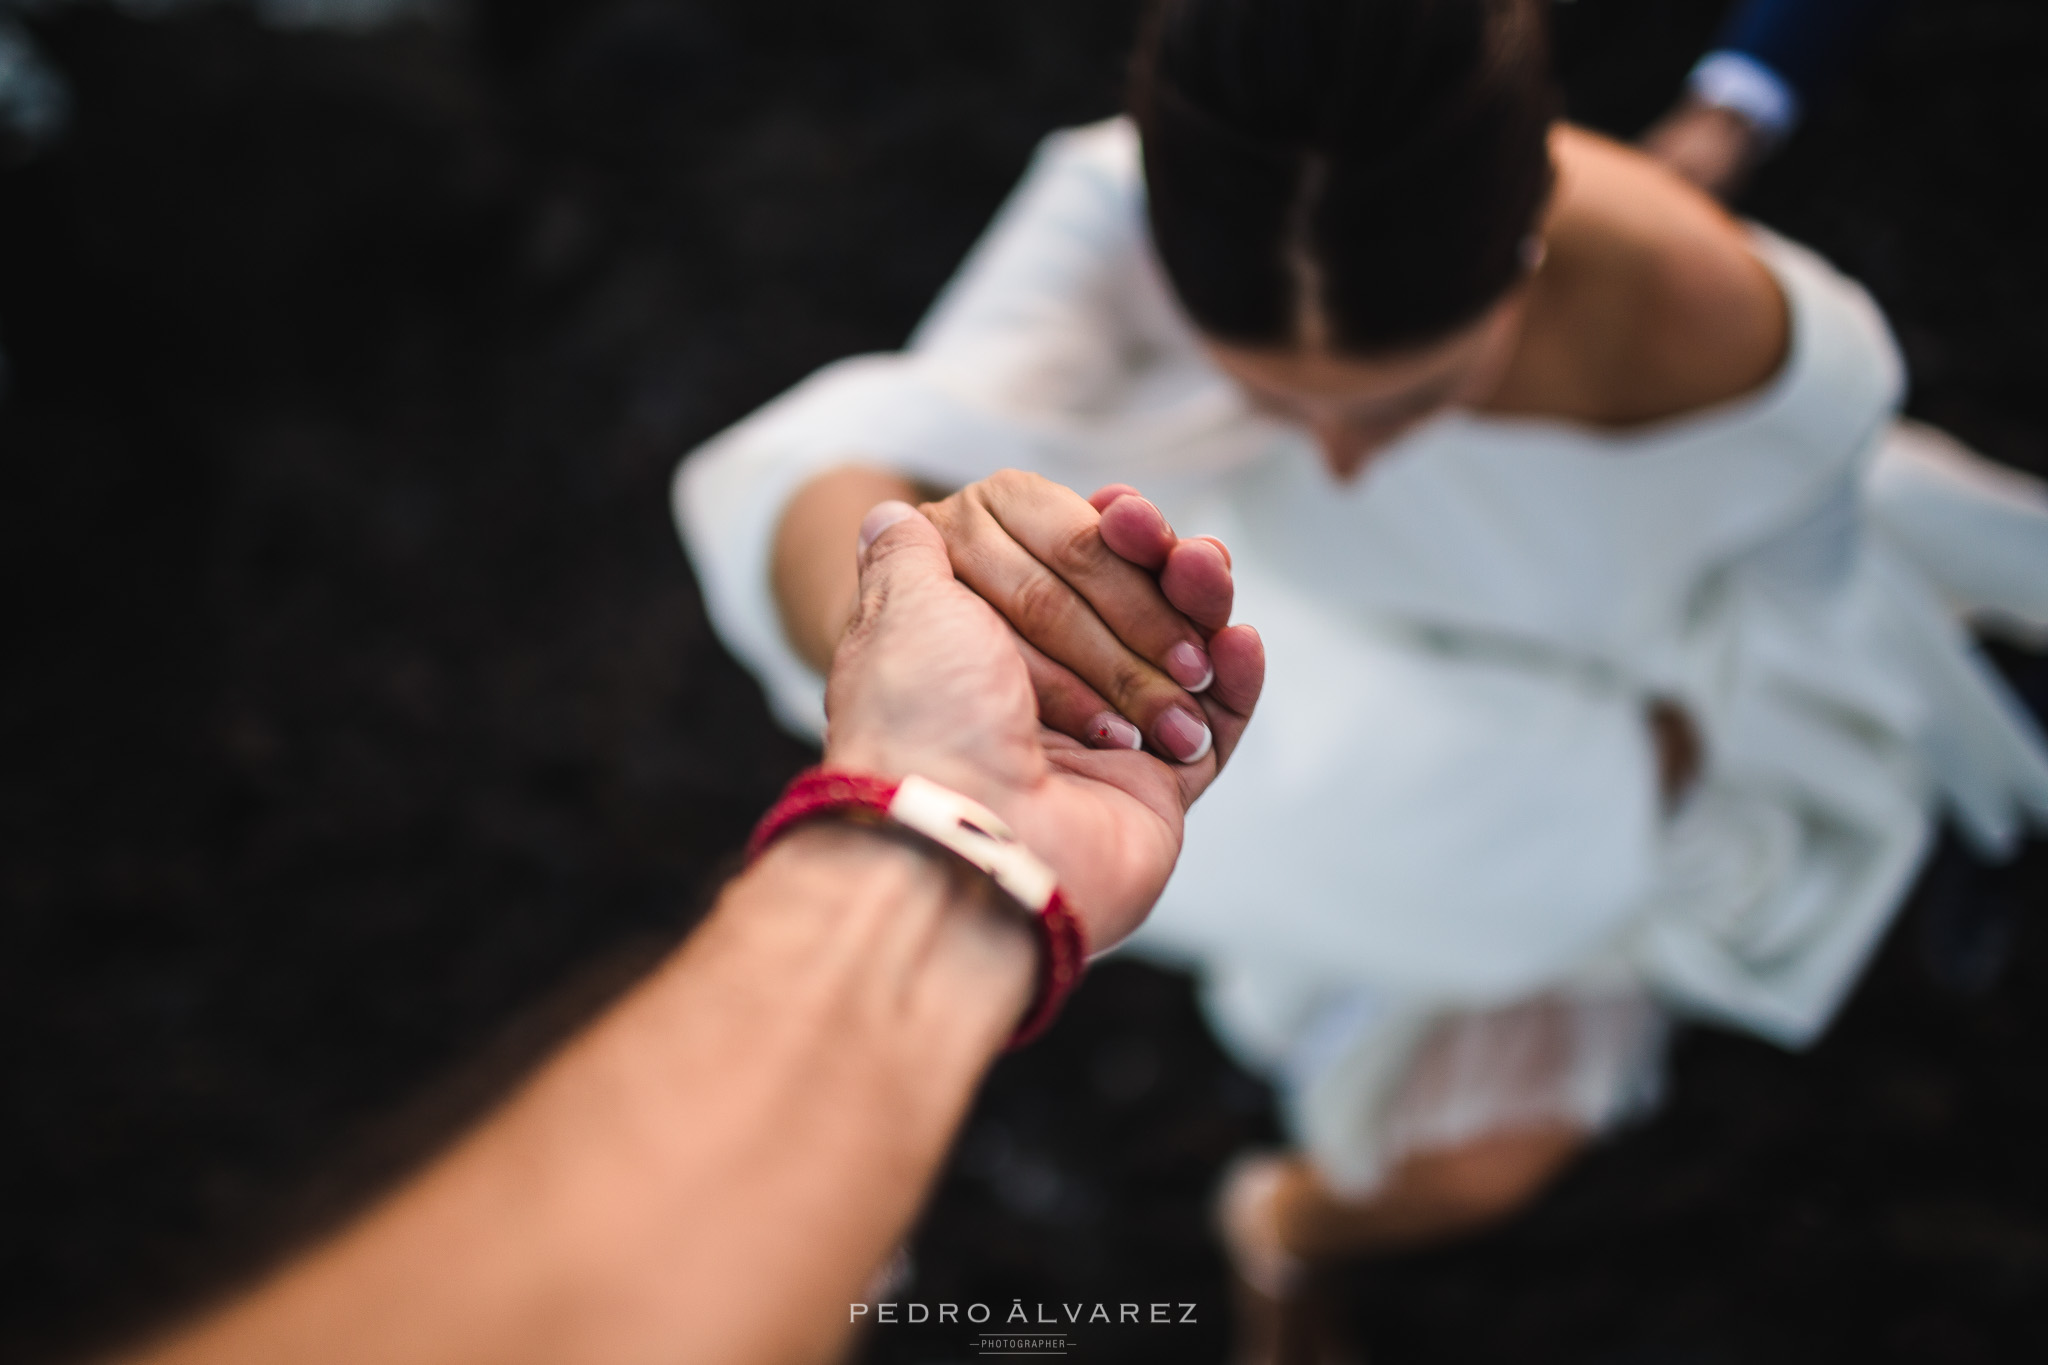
(361,732)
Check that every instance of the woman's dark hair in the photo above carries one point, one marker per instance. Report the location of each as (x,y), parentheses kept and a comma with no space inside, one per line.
(1361,174)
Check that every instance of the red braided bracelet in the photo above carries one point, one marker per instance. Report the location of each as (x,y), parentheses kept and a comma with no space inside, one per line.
(972,832)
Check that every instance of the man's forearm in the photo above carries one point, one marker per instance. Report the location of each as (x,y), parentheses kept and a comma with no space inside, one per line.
(712,1170)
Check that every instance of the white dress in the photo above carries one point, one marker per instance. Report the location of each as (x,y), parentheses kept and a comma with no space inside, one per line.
(1434,893)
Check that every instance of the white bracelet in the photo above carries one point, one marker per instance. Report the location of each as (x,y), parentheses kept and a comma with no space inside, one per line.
(977,834)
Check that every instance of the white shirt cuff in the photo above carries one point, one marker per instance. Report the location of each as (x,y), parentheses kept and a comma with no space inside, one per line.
(1743,85)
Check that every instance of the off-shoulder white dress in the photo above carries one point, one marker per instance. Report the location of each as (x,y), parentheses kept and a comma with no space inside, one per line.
(1435,894)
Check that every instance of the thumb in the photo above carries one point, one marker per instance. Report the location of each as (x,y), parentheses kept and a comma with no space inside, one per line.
(898,544)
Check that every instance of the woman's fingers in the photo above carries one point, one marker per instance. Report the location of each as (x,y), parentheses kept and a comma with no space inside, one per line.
(1112,612)
(1134,528)
(1240,674)
(1194,574)
(1072,707)
(1065,535)
(1240,657)
(1197,582)
(1030,549)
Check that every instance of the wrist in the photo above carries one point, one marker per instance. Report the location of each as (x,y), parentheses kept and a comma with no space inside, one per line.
(949,766)
(964,833)
(956,946)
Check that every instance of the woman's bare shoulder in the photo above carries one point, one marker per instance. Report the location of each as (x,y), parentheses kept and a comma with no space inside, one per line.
(1692,317)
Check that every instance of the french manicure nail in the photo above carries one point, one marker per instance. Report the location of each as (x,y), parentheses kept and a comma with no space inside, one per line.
(1111,731)
(880,518)
(1183,736)
(1190,666)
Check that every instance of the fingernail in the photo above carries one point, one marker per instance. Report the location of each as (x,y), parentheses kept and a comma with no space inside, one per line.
(1190,666)
(1111,731)
(880,518)
(1183,736)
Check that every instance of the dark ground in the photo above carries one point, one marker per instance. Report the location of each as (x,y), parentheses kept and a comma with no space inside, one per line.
(362,729)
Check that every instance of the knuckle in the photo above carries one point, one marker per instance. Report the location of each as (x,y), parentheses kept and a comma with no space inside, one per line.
(1077,546)
(1040,603)
(965,530)
(1129,680)
(944,514)
(1007,483)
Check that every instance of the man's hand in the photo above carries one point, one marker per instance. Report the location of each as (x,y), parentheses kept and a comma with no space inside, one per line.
(711,1169)
(1714,148)
(930,680)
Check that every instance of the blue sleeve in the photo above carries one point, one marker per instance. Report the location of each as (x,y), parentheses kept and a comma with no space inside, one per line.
(1808,42)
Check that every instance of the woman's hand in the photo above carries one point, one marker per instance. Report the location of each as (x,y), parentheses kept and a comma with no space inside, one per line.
(928,679)
(1113,613)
